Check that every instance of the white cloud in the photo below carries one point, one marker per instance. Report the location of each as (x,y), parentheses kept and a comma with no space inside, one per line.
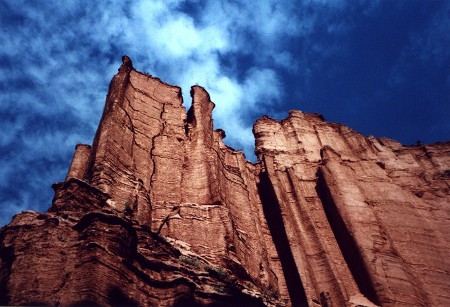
(185,50)
(170,44)
(61,62)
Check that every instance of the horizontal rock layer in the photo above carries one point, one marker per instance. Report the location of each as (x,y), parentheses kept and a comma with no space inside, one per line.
(159,211)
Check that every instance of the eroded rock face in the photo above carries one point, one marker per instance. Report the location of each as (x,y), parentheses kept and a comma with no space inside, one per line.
(159,211)
(360,214)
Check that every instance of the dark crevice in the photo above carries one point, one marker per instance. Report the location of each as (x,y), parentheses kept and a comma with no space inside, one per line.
(82,303)
(190,116)
(274,219)
(346,242)
(116,297)
(190,120)
(7,258)
(185,300)
(4,300)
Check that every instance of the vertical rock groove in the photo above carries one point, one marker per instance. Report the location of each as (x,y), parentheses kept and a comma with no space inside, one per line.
(346,242)
(274,219)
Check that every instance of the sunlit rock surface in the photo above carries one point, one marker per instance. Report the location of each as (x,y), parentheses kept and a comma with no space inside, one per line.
(159,211)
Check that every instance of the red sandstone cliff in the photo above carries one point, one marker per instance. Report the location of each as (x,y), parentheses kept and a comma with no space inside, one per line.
(159,211)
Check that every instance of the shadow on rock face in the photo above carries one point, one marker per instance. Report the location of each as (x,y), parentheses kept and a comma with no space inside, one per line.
(116,297)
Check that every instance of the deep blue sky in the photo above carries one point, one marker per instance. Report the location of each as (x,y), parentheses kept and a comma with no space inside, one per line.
(380,67)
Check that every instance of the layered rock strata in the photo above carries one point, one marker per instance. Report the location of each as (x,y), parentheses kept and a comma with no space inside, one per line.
(159,211)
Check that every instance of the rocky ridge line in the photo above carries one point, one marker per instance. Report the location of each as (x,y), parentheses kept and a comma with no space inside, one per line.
(159,211)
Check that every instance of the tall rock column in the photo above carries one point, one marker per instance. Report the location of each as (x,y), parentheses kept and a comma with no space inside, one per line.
(290,156)
(215,212)
(79,163)
(139,110)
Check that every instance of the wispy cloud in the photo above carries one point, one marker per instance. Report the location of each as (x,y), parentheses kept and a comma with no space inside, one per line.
(57,61)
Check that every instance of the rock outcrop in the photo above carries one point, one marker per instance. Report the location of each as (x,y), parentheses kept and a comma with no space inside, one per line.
(159,211)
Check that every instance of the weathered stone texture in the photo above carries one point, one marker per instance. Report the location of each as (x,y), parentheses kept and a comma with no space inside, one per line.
(359,209)
(159,211)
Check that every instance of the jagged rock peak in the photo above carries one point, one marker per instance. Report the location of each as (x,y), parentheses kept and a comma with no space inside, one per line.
(127,64)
